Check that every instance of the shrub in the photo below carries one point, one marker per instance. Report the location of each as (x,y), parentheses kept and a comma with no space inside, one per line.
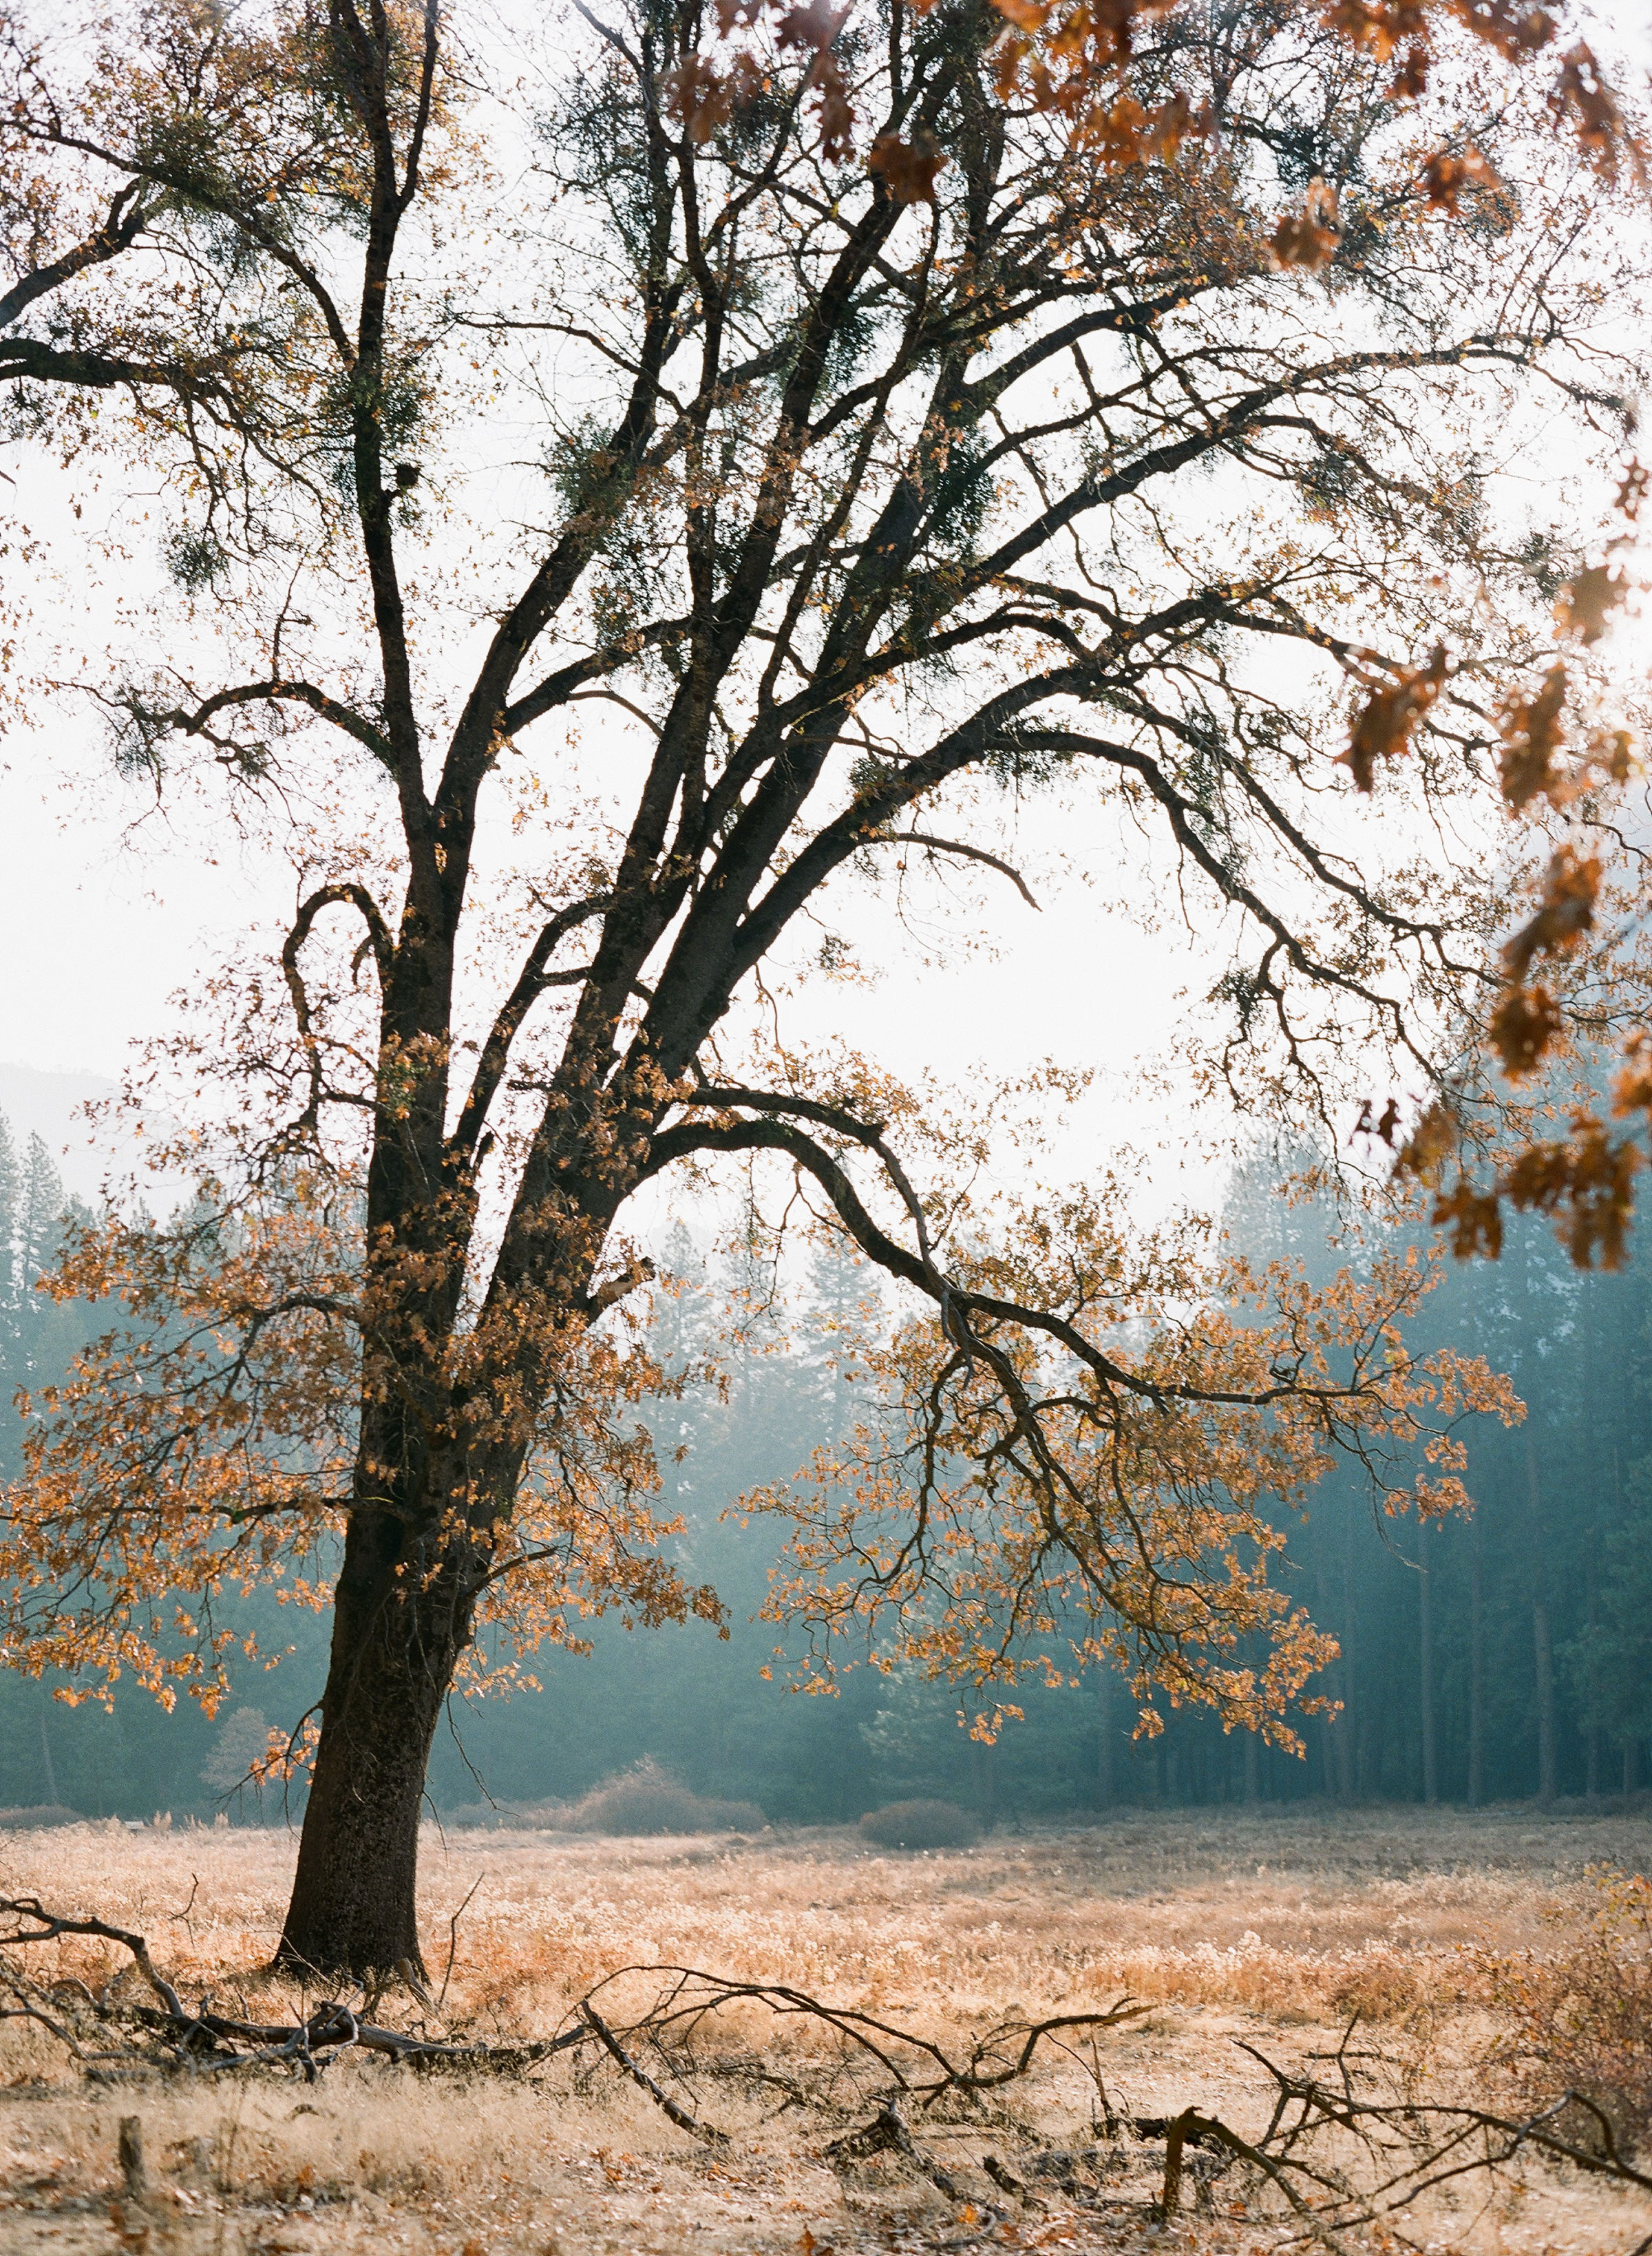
(646,1799)
(1582,2019)
(38,1815)
(920,1825)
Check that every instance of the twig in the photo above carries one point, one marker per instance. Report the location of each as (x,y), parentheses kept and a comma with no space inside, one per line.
(452,1940)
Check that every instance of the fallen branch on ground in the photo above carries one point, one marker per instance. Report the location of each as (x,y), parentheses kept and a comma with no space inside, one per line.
(169,2036)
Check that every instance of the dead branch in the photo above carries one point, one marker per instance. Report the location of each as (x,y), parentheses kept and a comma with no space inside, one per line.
(887,2133)
(49,1926)
(662,2098)
(170,2037)
(689,1996)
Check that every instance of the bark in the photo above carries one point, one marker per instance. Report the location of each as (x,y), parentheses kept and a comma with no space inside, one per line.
(1476,1677)
(1542,1644)
(395,1647)
(1425,1612)
(1543,1679)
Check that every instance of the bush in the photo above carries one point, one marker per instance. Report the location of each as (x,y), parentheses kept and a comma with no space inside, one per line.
(920,1825)
(1582,2019)
(646,1799)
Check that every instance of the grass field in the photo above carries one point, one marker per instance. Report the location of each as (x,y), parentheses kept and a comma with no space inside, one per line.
(1267,1927)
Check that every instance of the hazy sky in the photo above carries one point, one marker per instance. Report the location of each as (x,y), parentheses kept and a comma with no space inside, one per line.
(107,911)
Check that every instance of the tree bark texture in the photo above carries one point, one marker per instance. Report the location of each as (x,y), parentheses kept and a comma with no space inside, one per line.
(395,1647)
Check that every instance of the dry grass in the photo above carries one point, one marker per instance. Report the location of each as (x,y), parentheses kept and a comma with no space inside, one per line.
(1267,1926)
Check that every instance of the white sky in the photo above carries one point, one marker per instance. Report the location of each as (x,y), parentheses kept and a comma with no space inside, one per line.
(98,928)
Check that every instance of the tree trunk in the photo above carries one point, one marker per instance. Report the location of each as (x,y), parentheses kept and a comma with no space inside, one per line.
(1543,1643)
(1425,1625)
(395,1641)
(1104,1780)
(45,1753)
(1476,1675)
(1544,1659)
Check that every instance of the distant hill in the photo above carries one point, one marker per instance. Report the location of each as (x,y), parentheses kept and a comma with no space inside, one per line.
(47,1105)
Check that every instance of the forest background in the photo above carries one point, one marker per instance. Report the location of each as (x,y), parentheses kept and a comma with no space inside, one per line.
(1508,1656)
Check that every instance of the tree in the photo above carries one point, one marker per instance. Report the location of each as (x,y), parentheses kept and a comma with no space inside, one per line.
(864,501)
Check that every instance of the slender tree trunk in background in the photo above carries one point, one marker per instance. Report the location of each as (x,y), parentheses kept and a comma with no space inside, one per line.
(45,1753)
(1349,1733)
(1104,1783)
(1542,1644)
(1543,1685)
(1253,1768)
(1425,1626)
(396,1643)
(1628,1768)
(1476,1674)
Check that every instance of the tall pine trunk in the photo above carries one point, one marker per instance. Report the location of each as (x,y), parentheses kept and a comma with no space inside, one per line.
(396,1638)
(1476,1675)
(1425,1628)
(1543,1643)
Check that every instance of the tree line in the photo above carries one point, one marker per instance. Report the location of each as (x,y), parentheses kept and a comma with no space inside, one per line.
(1504,1656)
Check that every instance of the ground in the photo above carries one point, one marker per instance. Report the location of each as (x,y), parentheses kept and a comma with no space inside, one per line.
(1266,1928)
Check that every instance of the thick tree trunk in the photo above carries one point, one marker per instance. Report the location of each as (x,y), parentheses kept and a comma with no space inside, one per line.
(395,1646)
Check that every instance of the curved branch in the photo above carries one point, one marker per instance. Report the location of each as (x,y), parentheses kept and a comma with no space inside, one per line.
(957,846)
(281,690)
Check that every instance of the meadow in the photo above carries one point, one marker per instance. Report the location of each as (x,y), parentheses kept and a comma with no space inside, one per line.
(1261,1928)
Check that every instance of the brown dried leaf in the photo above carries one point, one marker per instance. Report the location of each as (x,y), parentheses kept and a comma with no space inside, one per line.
(1383,728)
(1570,890)
(1432,1142)
(1530,730)
(907,168)
(1632,1091)
(1448,173)
(1475,1220)
(1308,238)
(1588,601)
(1522,1026)
(1368,1125)
(1592,1178)
(1583,99)
(700,96)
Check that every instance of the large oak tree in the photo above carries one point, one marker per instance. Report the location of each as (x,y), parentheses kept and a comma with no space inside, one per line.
(843,491)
